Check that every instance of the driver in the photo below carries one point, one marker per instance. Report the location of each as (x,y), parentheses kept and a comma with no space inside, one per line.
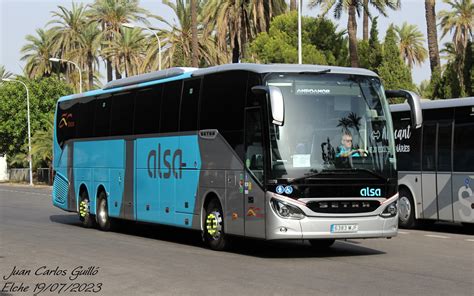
(346,149)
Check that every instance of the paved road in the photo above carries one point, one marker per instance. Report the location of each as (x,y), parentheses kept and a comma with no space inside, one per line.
(154,260)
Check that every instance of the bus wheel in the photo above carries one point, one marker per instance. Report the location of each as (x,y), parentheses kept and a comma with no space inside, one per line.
(103,218)
(214,235)
(86,218)
(406,209)
(321,244)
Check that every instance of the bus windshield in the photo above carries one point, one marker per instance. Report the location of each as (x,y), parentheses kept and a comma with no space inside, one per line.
(333,123)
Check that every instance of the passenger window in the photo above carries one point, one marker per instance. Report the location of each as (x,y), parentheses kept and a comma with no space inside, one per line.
(122,114)
(170,107)
(147,110)
(444,147)
(429,140)
(189,105)
(102,117)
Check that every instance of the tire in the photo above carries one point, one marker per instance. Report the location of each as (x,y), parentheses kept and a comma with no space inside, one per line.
(406,209)
(103,219)
(321,244)
(86,218)
(213,232)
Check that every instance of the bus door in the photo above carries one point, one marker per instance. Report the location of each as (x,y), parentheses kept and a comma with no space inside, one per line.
(254,195)
(443,172)
(428,175)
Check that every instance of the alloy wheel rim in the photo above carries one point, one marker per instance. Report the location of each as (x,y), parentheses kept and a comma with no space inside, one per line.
(214,225)
(404,209)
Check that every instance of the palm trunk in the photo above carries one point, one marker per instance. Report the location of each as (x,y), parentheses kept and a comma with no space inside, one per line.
(91,70)
(293,5)
(194,39)
(432,34)
(366,21)
(352,30)
(236,50)
(118,75)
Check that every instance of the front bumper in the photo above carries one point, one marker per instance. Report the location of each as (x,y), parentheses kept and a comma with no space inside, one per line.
(373,226)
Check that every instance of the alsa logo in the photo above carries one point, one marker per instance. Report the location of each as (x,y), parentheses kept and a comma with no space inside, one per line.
(171,163)
(66,120)
(377,192)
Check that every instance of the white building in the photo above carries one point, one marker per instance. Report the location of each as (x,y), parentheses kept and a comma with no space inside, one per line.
(3,167)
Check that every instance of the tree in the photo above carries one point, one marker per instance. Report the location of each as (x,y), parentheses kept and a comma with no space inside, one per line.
(110,15)
(322,44)
(432,33)
(469,69)
(44,93)
(4,73)
(178,40)
(194,33)
(237,22)
(67,35)
(365,25)
(353,8)
(370,53)
(411,42)
(460,19)
(37,52)
(393,71)
(293,5)
(127,50)
(41,141)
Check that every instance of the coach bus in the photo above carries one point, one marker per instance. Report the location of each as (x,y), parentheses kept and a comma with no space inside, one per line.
(263,151)
(436,162)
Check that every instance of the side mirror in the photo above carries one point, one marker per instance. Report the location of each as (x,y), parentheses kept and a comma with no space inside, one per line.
(413,100)
(276,102)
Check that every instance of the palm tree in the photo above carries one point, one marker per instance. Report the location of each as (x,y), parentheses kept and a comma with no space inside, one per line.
(178,39)
(67,33)
(238,21)
(432,33)
(127,50)
(411,42)
(37,52)
(4,73)
(293,5)
(194,43)
(353,7)
(460,19)
(110,15)
(365,25)
(41,144)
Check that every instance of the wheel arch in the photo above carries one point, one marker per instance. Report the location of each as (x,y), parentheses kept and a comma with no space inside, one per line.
(208,196)
(410,190)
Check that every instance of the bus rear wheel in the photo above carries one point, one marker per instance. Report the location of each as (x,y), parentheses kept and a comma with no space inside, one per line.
(86,218)
(103,218)
(213,232)
(406,209)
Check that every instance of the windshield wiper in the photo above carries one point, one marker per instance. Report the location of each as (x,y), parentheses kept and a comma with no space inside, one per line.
(315,72)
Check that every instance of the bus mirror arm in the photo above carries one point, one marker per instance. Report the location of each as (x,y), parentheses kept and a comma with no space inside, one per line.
(413,100)
(276,102)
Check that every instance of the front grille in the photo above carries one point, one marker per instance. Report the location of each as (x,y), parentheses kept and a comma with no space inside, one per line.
(60,189)
(343,206)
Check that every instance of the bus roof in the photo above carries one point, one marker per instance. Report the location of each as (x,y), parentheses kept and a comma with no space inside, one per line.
(178,73)
(436,104)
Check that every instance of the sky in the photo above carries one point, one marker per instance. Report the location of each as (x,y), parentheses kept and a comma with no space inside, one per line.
(19,18)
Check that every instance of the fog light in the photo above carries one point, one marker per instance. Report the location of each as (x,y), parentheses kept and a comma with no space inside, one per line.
(283,229)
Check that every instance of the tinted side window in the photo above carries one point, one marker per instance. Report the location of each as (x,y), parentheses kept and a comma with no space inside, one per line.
(122,114)
(222,101)
(102,117)
(407,142)
(66,121)
(85,122)
(147,110)
(189,105)
(444,146)
(170,107)
(429,141)
(463,139)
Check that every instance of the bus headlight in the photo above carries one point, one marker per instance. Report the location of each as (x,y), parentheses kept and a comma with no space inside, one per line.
(286,210)
(390,211)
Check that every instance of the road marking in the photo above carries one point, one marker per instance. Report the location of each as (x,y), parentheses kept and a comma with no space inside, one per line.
(403,232)
(470,240)
(436,236)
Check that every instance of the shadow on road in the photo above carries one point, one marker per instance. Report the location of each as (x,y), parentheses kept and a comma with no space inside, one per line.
(446,227)
(241,246)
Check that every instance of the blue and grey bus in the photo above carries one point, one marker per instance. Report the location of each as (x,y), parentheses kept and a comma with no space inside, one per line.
(436,162)
(273,152)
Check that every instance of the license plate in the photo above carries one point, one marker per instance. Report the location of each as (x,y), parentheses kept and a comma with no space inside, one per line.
(335,228)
